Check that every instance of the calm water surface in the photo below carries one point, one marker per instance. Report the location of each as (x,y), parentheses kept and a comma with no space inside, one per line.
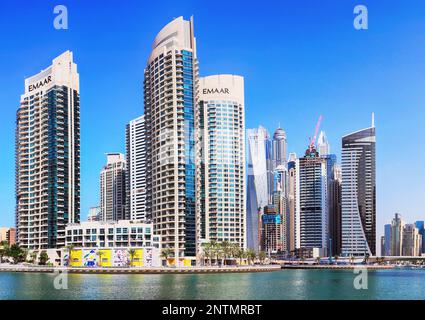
(285,284)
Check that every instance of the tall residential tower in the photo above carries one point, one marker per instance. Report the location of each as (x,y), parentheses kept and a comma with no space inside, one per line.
(222,164)
(170,84)
(48,155)
(112,188)
(136,169)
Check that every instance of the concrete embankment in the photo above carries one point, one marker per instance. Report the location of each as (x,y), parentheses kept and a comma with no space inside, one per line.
(337,267)
(132,270)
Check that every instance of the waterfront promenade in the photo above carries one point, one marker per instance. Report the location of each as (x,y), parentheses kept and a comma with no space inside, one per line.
(140,270)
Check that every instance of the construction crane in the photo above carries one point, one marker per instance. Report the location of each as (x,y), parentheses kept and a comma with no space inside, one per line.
(313,141)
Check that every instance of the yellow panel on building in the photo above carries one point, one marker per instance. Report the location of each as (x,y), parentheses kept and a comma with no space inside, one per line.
(105,257)
(137,260)
(187,262)
(76,258)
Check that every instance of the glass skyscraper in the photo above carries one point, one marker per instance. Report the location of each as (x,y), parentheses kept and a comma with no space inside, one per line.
(258,187)
(312,211)
(359,193)
(223,213)
(48,155)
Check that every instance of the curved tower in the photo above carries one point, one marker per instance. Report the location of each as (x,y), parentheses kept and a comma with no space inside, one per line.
(359,193)
(170,82)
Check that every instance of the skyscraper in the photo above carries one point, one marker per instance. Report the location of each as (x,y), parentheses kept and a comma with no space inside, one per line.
(334,196)
(280,201)
(412,241)
(396,239)
(323,144)
(258,189)
(359,193)
(170,85)
(271,230)
(48,155)
(136,169)
(421,227)
(311,221)
(292,200)
(221,168)
(112,188)
(278,151)
(387,236)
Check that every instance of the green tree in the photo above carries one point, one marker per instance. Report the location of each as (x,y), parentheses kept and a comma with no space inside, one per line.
(165,254)
(17,254)
(240,254)
(251,255)
(226,249)
(208,251)
(43,258)
(100,254)
(336,259)
(216,249)
(33,257)
(4,250)
(262,256)
(132,253)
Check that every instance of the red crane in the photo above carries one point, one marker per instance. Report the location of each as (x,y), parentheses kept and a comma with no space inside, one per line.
(313,141)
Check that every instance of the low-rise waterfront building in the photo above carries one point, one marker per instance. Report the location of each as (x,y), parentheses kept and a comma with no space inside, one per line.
(122,233)
(112,244)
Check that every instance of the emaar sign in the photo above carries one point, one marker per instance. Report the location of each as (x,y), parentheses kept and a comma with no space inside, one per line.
(39,84)
(216,91)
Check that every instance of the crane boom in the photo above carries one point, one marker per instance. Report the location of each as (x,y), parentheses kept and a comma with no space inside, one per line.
(313,141)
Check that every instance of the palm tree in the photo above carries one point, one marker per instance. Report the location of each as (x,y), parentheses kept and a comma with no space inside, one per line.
(216,250)
(165,253)
(240,254)
(234,250)
(336,259)
(100,254)
(33,257)
(251,255)
(132,253)
(226,250)
(262,256)
(208,251)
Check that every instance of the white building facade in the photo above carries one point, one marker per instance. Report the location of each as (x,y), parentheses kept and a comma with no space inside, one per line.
(222,196)
(136,169)
(112,188)
(48,155)
(170,84)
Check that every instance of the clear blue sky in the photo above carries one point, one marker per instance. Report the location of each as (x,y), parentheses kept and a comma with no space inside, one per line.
(299,58)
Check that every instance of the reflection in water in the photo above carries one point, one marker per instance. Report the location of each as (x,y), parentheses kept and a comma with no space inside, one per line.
(285,284)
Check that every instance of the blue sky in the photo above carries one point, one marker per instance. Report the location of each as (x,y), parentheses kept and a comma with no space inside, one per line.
(299,58)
